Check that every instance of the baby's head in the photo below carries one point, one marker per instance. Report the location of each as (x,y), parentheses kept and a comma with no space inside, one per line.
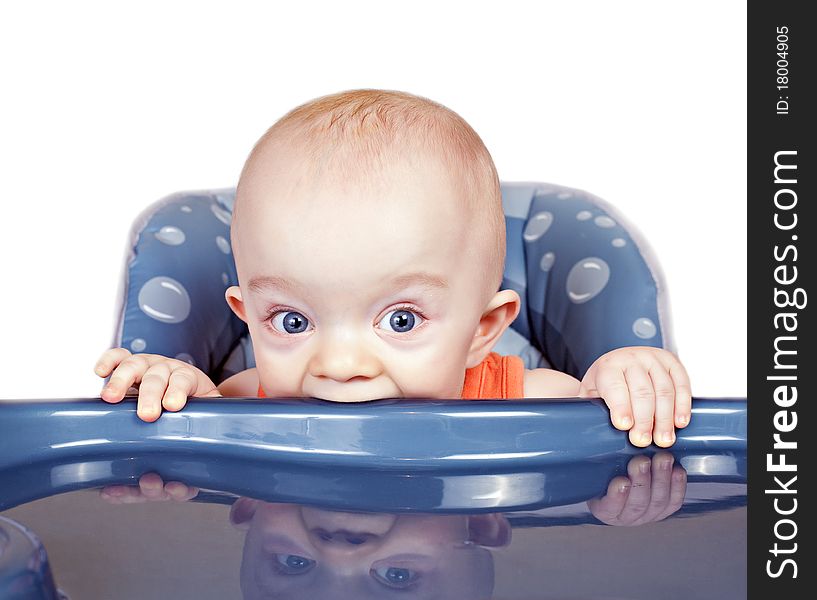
(369,240)
(293,551)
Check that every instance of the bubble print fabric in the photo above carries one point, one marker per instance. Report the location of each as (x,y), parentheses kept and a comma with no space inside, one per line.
(179,265)
(587,280)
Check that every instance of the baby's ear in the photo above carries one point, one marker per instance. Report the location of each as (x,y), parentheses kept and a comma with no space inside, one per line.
(496,318)
(236,302)
(242,511)
(492,530)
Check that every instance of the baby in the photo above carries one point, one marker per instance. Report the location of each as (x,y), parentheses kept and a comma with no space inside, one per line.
(369,241)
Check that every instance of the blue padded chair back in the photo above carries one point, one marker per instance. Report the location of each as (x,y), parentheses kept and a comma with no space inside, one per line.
(587,280)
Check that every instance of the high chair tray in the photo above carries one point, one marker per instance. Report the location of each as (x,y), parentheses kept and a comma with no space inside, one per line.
(384,434)
(539,468)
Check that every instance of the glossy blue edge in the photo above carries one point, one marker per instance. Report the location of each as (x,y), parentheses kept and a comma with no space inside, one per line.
(384,434)
(385,455)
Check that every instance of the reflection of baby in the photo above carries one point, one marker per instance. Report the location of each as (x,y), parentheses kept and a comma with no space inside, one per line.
(293,551)
(369,240)
(302,552)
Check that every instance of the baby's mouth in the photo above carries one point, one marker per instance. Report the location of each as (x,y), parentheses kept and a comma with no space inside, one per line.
(362,390)
(350,398)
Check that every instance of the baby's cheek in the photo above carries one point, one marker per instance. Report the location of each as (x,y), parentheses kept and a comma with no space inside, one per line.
(278,378)
(442,375)
(434,381)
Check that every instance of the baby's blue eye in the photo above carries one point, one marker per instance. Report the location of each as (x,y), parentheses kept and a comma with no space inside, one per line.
(395,577)
(292,564)
(400,321)
(290,322)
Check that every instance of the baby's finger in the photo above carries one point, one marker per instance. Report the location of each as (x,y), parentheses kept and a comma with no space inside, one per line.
(668,493)
(151,486)
(638,470)
(179,492)
(151,391)
(122,494)
(683,393)
(642,397)
(112,493)
(660,485)
(180,386)
(677,492)
(612,387)
(664,430)
(609,507)
(109,359)
(128,373)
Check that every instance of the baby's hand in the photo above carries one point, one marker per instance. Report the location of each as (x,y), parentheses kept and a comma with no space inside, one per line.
(162,382)
(646,389)
(652,491)
(151,488)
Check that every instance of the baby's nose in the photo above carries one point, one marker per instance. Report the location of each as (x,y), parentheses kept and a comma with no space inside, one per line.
(343,537)
(344,359)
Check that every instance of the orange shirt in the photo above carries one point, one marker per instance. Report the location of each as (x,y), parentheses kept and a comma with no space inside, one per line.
(499,377)
(495,377)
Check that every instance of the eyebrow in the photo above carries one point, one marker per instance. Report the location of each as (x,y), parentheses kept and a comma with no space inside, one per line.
(421,279)
(259,284)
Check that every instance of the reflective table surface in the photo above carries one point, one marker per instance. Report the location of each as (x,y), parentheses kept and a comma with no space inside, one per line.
(402,499)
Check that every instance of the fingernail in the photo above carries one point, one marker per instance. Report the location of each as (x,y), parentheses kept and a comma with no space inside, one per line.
(683,420)
(176,491)
(626,422)
(645,438)
(622,488)
(177,400)
(644,467)
(667,437)
(148,415)
(665,465)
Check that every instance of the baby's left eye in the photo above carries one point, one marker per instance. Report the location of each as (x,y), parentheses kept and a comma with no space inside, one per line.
(400,321)
(292,564)
(290,322)
(395,577)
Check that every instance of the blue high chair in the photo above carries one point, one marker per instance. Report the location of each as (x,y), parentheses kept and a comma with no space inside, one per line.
(587,280)
(588,284)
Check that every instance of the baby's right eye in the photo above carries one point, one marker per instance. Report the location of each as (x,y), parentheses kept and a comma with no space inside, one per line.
(292,564)
(290,322)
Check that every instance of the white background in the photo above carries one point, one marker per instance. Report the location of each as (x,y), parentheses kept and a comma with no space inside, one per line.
(106,107)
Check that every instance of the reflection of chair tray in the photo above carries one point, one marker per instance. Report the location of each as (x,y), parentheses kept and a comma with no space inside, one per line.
(475,456)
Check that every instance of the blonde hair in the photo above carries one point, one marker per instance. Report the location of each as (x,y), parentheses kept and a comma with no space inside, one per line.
(365,128)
